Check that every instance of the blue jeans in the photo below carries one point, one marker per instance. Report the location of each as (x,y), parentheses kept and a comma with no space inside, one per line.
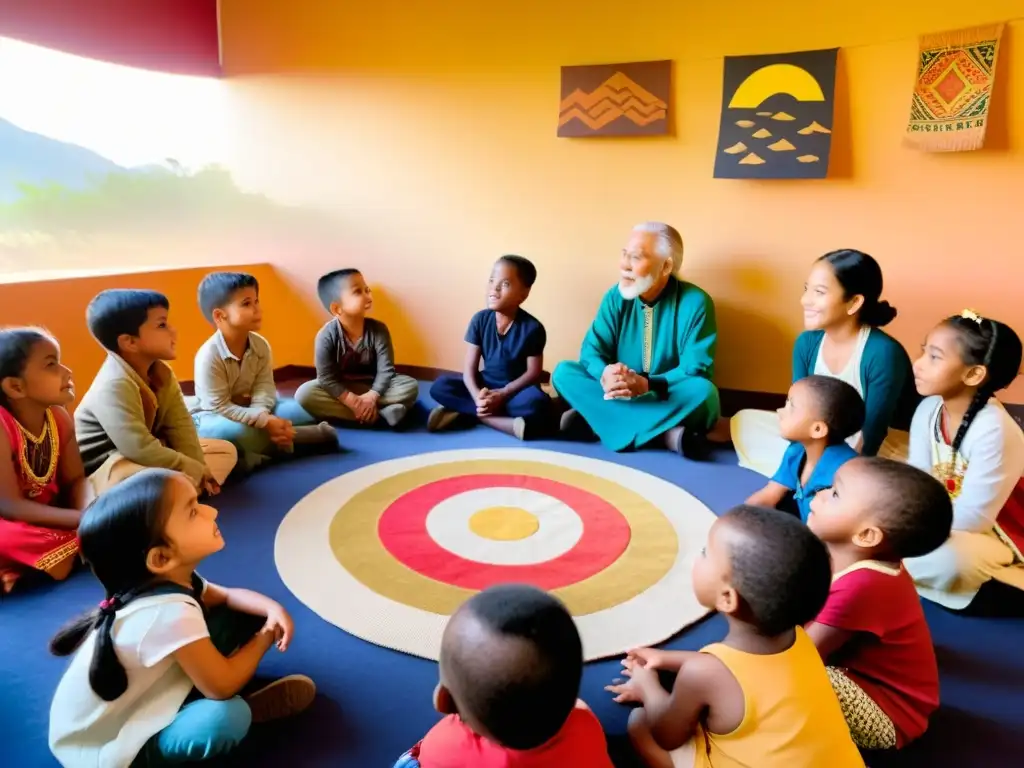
(407,761)
(253,444)
(205,729)
(450,391)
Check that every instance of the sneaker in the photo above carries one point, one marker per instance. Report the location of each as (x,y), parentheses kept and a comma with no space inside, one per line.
(282,698)
(440,419)
(674,440)
(519,428)
(317,433)
(393,414)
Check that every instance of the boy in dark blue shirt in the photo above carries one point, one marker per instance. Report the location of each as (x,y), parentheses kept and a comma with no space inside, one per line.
(506,394)
(820,414)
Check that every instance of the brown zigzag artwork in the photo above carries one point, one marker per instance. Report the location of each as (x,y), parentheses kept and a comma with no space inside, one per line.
(615,100)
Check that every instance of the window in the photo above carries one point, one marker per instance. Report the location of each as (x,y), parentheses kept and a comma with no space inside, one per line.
(105,166)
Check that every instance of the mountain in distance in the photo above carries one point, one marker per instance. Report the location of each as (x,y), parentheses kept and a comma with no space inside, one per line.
(32,158)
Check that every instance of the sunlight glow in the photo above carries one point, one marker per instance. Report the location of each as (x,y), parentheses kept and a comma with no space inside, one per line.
(131,116)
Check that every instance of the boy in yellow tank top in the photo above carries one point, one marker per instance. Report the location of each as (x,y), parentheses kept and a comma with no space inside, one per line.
(760,698)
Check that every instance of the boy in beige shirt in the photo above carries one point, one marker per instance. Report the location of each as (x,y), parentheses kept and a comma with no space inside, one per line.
(236,396)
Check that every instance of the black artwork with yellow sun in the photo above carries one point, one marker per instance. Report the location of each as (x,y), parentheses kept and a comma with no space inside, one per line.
(777,116)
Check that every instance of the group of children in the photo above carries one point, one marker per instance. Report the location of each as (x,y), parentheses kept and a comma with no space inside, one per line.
(827,648)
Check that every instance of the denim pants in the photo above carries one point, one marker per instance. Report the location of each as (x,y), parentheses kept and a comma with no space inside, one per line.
(205,729)
(253,444)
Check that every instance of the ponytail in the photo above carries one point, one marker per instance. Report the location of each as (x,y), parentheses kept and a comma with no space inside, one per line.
(878,314)
(107,676)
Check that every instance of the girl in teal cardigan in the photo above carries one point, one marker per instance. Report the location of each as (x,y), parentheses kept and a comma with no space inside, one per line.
(843,315)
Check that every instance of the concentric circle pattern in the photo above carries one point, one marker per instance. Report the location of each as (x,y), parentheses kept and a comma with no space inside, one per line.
(388,551)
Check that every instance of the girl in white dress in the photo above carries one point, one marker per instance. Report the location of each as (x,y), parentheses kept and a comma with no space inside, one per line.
(967,440)
(159,667)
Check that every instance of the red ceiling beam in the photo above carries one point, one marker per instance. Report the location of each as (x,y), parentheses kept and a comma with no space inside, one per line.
(179,36)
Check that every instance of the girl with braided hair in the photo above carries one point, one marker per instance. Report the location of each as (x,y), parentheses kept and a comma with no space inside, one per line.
(163,667)
(964,437)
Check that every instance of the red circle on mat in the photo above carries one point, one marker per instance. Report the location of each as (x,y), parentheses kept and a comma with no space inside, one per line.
(402,529)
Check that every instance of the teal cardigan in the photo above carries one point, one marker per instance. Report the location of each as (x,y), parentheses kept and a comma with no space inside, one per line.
(886,376)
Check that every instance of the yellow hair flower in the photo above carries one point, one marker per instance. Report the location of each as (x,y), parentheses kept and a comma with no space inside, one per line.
(970,314)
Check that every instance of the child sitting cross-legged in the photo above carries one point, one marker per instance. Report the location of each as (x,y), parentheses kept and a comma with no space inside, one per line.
(355,360)
(506,394)
(510,667)
(872,631)
(820,413)
(761,697)
(160,668)
(963,436)
(43,488)
(236,397)
(134,415)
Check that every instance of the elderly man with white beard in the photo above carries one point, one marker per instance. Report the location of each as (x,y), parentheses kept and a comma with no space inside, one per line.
(646,366)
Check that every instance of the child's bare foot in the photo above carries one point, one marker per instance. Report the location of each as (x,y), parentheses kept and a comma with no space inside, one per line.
(282,698)
(441,419)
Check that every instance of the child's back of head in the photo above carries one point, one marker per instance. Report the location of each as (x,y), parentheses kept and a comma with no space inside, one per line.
(780,571)
(511,662)
(822,407)
(888,509)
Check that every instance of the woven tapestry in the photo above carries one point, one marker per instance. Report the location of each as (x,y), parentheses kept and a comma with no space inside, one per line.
(954,89)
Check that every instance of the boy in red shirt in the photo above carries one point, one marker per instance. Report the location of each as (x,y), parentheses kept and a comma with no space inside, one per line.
(872,631)
(510,669)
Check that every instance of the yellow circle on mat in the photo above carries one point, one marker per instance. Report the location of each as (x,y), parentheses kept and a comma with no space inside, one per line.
(651,552)
(504,523)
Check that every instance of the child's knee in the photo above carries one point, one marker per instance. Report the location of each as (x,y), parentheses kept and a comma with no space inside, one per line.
(229,723)
(309,394)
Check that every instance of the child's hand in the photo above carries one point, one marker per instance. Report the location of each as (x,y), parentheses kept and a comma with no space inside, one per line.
(208,484)
(280,623)
(492,403)
(367,413)
(651,658)
(632,690)
(481,398)
(362,407)
(281,431)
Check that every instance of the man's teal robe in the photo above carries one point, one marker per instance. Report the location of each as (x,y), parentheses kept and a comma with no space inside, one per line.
(672,342)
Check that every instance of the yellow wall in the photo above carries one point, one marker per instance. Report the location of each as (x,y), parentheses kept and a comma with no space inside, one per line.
(59,305)
(428,130)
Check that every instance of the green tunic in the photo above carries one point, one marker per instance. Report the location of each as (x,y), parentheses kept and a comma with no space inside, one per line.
(671,341)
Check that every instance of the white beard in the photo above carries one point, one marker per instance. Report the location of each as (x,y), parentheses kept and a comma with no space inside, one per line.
(639,286)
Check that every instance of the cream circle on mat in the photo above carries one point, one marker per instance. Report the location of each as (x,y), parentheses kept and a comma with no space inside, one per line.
(388,551)
(504,526)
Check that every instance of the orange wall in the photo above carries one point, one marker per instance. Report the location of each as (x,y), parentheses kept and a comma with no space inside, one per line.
(59,305)
(428,131)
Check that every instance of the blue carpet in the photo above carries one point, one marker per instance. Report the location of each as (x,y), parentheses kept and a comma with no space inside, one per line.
(374,703)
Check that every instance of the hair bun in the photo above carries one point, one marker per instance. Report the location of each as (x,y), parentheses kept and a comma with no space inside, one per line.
(878,314)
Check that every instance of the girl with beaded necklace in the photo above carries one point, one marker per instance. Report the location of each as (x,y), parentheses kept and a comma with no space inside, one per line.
(965,438)
(43,488)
